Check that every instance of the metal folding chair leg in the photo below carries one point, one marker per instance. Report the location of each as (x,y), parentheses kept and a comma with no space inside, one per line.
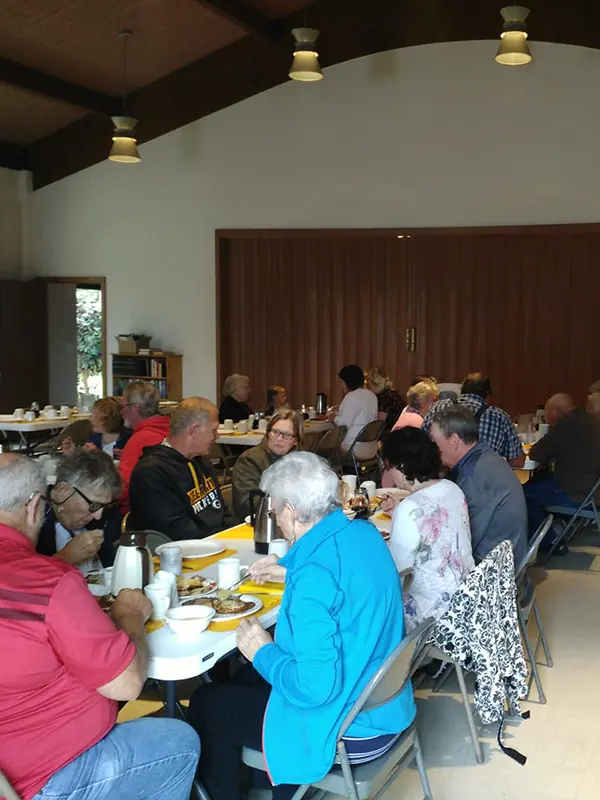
(470,719)
(538,622)
(443,677)
(198,791)
(532,662)
(421,770)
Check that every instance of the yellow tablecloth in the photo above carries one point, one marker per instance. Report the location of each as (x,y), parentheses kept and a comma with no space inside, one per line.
(241,532)
(196,564)
(249,587)
(225,625)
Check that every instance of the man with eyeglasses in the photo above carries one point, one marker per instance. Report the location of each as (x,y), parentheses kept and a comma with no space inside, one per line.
(284,434)
(174,487)
(65,664)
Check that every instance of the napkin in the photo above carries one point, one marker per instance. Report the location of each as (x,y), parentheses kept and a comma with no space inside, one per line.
(249,587)
(240,532)
(384,517)
(197,564)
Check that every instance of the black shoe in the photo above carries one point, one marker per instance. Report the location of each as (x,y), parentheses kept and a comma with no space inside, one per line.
(561,550)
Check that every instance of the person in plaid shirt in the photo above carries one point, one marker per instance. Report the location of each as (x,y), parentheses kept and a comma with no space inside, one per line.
(495,426)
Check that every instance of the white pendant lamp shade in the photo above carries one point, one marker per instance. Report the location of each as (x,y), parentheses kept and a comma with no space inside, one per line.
(513,50)
(305,66)
(124,149)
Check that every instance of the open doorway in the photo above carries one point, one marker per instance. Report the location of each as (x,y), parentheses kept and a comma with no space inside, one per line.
(76,340)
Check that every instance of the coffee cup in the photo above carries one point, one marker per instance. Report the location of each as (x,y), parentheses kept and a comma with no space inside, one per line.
(350,481)
(312,413)
(370,487)
(278,547)
(65,411)
(159,595)
(108,571)
(228,425)
(243,426)
(229,571)
(262,425)
(50,413)
(19,413)
(30,416)
(164,578)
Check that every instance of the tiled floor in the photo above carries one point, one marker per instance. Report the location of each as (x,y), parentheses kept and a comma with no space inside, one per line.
(561,739)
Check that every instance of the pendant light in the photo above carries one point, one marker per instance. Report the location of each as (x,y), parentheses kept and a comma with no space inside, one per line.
(305,66)
(513,50)
(124,149)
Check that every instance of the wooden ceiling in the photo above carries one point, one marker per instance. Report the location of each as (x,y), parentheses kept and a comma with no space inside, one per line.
(61,63)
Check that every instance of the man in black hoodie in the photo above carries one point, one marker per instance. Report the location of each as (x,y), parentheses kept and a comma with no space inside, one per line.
(173,488)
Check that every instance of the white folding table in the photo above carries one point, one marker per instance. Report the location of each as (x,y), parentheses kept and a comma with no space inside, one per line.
(23,427)
(255,437)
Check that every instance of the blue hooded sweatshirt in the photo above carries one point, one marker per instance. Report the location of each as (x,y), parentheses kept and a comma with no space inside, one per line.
(341,616)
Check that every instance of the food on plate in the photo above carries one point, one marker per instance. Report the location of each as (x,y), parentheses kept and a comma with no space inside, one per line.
(106,602)
(95,577)
(375,502)
(194,584)
(232,605)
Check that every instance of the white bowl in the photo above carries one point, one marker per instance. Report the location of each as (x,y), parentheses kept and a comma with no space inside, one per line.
(188,622)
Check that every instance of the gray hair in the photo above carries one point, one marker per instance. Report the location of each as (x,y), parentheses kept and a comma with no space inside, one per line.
(191,411)
(145,395)
(457,419)
(306,483)
(20,479)
(231,384)
(89,469)
(419,394)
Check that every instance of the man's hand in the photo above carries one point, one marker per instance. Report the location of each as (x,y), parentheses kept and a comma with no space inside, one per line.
(131,602)
(251,636)
(81,547)
(267,569)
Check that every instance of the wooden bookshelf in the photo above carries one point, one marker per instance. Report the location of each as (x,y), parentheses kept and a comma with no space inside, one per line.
(164,371)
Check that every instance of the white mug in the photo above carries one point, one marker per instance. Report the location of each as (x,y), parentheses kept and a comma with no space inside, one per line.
(30,416)
(108,571)
(243,426)
(229,571)
(312,413)
(371,488)
(19,413)
(164,578)
(51,413)
(262,425)
(350,481)
(159,595)
(228,425)
(64,411)
(278,547)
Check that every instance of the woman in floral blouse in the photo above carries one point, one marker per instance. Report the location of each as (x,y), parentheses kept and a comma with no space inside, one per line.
(430,527)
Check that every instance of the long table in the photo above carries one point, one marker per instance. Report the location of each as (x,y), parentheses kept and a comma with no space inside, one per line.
(8,424)
(255,437)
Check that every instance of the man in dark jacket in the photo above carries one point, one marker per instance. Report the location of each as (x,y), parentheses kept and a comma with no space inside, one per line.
(173,488)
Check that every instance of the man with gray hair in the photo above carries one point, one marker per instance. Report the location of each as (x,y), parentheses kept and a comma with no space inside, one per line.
(65,664)
(494,495)
(174,488)
(141,413)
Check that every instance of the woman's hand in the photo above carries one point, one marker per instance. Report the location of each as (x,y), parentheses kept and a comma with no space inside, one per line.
(267,569)
(251,636)
(81,547)
(90,446)
(67,445)
(389,502)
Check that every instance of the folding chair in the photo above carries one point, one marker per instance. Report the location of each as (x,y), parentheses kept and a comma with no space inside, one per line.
(329,447)
(222,460)
(312,439)
(227,493)
(358,781)
(526,604)
(370,434)
(6,789)
(586,512)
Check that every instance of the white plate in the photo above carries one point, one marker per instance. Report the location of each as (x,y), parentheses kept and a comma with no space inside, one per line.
(197,592)
(195,548)
(257,605)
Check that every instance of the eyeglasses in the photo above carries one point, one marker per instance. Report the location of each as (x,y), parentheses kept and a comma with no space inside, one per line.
(287,437)
(93,505)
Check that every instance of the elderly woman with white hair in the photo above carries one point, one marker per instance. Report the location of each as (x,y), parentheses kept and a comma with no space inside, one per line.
(236,391)
(341,617)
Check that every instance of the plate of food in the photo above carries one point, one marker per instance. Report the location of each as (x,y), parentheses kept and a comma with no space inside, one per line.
(194,585)
(195,548)
(235,606)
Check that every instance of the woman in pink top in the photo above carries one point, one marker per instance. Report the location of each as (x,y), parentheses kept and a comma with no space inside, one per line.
(419,399)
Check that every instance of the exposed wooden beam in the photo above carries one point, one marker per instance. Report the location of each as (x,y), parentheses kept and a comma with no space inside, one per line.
(56,88)
(13,156)
(245,17)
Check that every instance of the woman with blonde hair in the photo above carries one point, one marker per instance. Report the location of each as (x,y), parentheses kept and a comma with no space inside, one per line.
(389,402)
(419,400)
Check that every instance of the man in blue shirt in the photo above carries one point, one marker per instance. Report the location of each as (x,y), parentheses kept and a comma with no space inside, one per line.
(495,498)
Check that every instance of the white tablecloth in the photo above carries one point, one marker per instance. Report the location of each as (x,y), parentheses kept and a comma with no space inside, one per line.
(255,437)
(8,423)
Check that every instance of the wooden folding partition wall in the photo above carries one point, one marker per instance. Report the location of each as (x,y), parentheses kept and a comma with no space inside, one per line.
(518,303)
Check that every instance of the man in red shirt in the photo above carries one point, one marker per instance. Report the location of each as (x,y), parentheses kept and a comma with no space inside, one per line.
(141,413)
(64,665)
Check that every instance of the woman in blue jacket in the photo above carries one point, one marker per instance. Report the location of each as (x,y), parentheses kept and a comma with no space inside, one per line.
(341,617)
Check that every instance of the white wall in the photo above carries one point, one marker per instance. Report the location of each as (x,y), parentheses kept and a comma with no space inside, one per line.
(62,343)
(10,224)
(429,136)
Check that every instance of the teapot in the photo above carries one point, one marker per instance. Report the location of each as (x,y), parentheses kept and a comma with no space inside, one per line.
(262,519)
(133,567)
